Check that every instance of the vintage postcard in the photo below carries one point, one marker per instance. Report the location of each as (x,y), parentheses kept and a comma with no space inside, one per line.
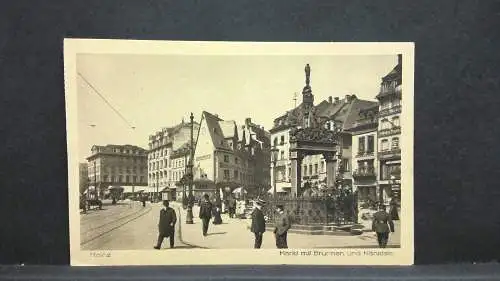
(192,153)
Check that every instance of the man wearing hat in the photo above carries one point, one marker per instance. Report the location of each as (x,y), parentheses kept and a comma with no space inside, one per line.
(166,226)
(258,223)
(205,213)
(282,225)
(382,223)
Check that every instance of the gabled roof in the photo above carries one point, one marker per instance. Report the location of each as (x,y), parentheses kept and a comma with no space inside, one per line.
(354,109)
(215,130)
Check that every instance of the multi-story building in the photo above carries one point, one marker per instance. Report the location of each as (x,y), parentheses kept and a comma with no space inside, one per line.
(389,132)
(333,113)
(164,166)
(84,176)
(364,157)
(228,156)
(124,165)
(179,160)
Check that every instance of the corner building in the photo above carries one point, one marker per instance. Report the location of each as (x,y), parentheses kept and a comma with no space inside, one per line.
(389,133)
(228,156)
(124,165)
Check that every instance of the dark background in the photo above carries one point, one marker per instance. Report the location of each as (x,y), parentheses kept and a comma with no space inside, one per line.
(457,103)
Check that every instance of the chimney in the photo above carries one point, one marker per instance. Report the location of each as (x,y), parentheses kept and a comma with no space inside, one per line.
(248,120)
(400,59)
(347,98)
(336,100)
(330,99)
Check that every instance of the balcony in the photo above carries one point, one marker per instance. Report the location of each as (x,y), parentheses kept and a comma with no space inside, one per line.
(389,132)
(390,154)
(364,172)
(390,111)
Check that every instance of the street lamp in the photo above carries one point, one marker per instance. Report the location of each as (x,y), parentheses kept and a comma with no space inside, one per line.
(189,214)
(274,159)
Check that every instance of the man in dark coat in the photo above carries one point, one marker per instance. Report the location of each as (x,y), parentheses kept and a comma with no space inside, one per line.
(166,225)
(231,206)
(281,226)
(382,224)
(205,213)
(258,223)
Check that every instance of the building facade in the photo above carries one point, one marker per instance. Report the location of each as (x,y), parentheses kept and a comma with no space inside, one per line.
(124,165)
(83,176)
(228,156)
(364,156)
(389,133)
(164,162)
(334,114)
(178,167)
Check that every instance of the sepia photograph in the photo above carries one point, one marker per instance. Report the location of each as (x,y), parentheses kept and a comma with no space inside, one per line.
(186,153)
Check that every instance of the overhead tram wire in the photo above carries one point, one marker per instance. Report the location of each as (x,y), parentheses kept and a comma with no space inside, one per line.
(106,101)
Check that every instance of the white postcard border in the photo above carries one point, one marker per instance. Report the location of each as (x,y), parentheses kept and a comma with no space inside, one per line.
(393,256)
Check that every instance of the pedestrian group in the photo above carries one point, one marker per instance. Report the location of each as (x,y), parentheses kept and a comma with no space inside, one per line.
(382,222)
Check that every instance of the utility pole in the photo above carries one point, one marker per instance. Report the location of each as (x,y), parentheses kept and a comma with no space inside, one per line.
(295,99)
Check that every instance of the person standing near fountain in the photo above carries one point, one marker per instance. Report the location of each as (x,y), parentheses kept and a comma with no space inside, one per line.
(282,225)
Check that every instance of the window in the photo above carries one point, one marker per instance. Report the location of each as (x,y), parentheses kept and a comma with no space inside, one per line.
(395,143)
(275,141)
(385,124)
(361,145)
(384,145)
(226,158)
(345,165)
(322,166)
(235,174)
(127,178)
(226,174)
(236,160)
(395,121)
(310,169)
(304,170)
(105,178)
(371,144)
(135,178)
(282,155)
(121,178)
(282,140)
(315,169)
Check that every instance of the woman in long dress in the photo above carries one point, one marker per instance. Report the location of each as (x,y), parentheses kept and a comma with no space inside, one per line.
(217,211)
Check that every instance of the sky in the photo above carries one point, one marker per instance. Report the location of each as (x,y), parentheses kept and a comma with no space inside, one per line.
(155,91)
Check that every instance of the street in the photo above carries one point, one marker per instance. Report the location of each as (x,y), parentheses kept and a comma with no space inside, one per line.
(129,226)
(125,226)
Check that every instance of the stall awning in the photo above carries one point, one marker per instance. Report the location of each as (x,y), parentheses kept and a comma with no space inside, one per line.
(128,188)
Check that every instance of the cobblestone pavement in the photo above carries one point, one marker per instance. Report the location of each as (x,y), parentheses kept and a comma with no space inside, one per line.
(234,234)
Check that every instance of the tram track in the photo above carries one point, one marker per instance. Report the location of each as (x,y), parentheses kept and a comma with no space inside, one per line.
(97,232)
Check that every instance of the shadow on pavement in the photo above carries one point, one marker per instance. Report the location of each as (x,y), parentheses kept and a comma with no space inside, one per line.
(216,233)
